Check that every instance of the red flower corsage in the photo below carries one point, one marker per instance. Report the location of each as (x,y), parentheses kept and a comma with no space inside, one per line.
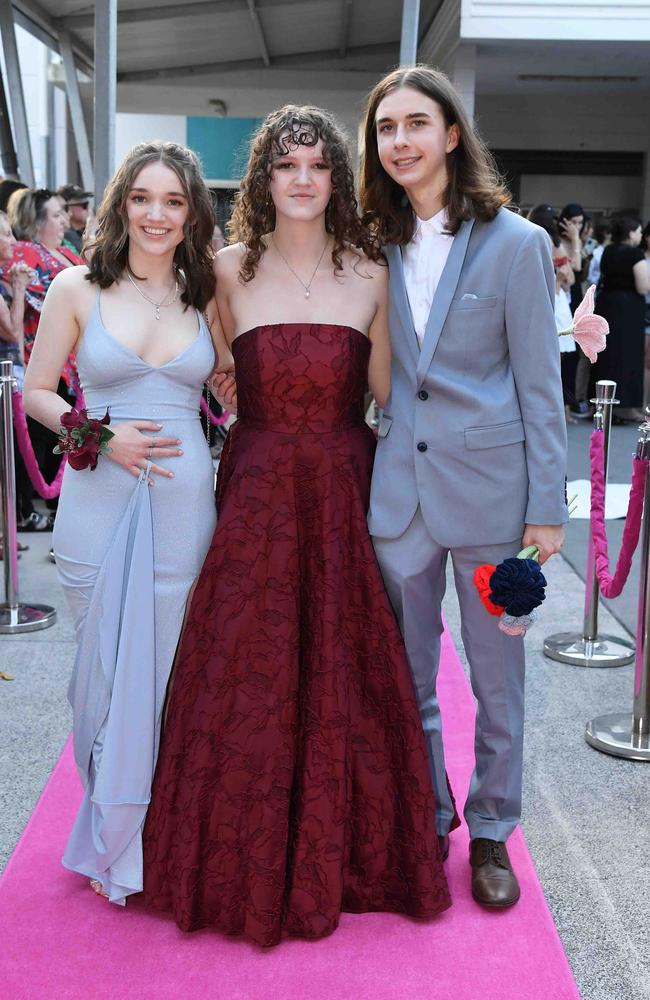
(83,439)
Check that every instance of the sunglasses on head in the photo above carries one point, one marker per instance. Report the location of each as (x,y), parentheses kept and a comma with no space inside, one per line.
(43,194)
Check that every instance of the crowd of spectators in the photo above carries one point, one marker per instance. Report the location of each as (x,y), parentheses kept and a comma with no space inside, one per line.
(614,255)
(41,233)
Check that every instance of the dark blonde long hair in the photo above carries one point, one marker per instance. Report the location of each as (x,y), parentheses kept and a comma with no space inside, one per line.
(108,250)
(254,212)
(475,188)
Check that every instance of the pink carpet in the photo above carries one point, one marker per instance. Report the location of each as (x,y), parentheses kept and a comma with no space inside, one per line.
(60,942)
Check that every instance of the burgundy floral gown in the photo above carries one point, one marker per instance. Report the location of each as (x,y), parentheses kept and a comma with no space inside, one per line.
(293,781)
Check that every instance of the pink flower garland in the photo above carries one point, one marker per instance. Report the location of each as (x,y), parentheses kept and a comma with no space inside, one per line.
(612,585)
(46,490)
(214,420)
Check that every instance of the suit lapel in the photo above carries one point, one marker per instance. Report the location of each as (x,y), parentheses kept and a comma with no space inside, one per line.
(443,295)
(398,288)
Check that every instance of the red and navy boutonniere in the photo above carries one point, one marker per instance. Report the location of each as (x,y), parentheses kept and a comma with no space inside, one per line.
(512,590)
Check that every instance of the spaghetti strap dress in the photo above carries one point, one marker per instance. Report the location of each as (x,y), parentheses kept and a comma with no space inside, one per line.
(127,556)
(293,781)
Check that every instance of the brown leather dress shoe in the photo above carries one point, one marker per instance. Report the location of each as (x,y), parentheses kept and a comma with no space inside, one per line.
(494,883)
(443,844)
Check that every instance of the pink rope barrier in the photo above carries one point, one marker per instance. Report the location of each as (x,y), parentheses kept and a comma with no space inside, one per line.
(214,420)
(612,585)
(46,490)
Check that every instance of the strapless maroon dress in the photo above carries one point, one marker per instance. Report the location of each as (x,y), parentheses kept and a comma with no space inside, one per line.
(293,781)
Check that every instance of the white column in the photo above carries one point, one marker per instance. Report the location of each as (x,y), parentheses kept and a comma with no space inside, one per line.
(76,111)
(463,74)
(105,94)
(408,52)
(645,191)
(15,93)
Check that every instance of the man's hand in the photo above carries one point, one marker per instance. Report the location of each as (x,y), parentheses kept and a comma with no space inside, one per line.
(223,384)
(548,538)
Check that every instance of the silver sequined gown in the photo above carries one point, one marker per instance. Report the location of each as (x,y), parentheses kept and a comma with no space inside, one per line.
(127,555)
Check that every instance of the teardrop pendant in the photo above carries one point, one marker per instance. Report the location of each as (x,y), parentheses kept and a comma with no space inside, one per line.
(307,293)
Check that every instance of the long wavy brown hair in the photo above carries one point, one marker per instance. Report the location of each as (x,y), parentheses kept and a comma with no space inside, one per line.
(475,188)
(253,216)
(108,250)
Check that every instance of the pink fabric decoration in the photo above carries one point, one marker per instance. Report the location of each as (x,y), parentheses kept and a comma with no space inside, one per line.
(611,586)
(513,629)
(588,330)
(46,490)
(214,420)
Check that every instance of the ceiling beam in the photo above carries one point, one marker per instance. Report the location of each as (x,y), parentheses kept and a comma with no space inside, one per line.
(34,19)
(173,11)
(259,32)
(330,56)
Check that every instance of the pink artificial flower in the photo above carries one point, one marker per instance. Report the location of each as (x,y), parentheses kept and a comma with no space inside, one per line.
(589,330)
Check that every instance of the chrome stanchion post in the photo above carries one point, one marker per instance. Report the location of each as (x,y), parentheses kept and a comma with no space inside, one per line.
(620,733)
(14,616)
(591,649)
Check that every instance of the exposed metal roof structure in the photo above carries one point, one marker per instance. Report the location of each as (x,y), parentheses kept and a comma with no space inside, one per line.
(148,41)
(198,37)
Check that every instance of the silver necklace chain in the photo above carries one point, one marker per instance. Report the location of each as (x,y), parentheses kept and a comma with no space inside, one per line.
(307,286)
(163,304)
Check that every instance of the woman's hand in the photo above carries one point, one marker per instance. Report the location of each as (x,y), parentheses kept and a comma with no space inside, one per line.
(570,231)
(565,276)
(223,385)
(132,447)
(19,276)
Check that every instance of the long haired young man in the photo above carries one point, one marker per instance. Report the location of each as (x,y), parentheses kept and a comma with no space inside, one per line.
(472,442)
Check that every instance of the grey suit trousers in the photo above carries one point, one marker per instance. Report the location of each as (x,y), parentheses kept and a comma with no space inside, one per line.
(413,567)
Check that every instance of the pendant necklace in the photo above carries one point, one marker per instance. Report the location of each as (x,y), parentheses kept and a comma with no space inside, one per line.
(309,283)
(163,304)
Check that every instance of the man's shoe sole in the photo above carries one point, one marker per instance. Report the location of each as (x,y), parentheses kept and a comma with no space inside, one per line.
(496,906)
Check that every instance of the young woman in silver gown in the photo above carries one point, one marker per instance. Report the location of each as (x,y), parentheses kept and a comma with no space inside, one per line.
(127,553)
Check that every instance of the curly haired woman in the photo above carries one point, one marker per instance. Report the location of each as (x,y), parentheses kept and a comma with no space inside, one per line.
(127,555)
(293,780)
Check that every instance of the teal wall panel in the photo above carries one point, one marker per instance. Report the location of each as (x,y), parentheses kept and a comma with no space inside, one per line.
(222,144)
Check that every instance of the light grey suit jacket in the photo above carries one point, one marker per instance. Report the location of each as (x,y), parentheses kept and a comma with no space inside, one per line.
(474,429)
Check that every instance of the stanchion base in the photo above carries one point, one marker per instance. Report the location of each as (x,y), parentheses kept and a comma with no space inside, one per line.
(613,734)
(605,651)
(25,617)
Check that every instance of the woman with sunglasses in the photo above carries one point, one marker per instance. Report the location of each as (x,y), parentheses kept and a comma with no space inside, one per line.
(38,222)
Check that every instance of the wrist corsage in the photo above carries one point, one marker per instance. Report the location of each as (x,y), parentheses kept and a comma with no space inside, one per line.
(83,439)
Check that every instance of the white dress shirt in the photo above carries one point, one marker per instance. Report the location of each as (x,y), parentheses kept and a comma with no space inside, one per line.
(424,259)
(594,267)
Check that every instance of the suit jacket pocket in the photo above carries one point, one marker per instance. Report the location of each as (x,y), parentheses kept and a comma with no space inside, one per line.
(385,424)
(486,302)
(494,435)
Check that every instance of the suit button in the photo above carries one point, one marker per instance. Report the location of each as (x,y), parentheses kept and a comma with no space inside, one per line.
(423,394)
(422,446)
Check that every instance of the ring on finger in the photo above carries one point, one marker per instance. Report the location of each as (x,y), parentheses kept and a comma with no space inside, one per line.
(149,456)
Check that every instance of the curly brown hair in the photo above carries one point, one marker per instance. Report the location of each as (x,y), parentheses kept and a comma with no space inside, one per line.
(108,250)
(475,189)
(253,216)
